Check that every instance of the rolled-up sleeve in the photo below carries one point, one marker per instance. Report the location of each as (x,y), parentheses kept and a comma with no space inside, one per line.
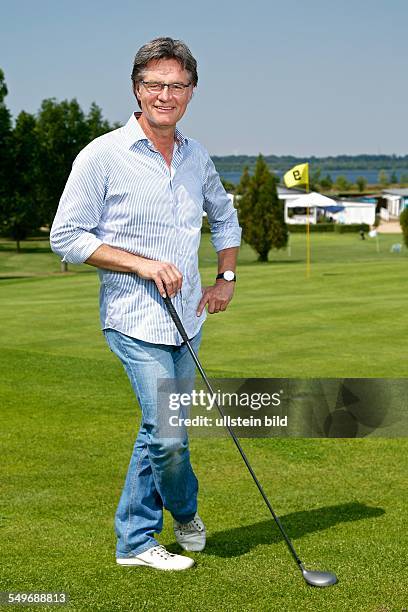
(72,234)
(222,216)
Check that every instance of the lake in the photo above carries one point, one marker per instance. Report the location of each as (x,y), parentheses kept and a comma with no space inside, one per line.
(351,175)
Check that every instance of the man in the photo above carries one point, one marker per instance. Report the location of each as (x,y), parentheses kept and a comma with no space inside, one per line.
(133,207)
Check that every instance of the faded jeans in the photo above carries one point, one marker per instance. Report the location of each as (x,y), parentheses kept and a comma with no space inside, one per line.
(159,474)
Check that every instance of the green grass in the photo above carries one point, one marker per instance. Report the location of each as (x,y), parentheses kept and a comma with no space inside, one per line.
(69,421)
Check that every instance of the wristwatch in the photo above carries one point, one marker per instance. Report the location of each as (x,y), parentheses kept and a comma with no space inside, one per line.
(228,275)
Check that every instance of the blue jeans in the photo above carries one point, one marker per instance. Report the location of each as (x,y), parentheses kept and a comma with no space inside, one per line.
(159,474)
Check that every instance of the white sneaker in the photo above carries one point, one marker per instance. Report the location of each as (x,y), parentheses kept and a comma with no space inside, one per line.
(190,536)
(158,558)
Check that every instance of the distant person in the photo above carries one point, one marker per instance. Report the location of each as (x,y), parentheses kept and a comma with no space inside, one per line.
(133,207)
(362,234)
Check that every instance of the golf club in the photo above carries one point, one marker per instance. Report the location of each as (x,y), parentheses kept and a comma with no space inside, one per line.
(314,578)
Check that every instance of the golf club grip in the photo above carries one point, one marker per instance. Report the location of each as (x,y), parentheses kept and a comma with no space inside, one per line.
(176,318)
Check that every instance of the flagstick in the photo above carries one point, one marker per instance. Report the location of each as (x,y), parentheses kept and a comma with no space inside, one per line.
(307,235)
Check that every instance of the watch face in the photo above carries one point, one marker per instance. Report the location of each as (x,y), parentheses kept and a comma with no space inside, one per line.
(229,275)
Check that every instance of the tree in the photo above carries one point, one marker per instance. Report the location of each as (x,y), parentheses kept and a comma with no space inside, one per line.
(383,178)
(261,212)
(342,184)
(361,183)
(244,182)
(403,179)
(326,182)
(36,159)
(315,179)
(6,153)
(63,130)
(96,124)
(394,178)
(22,210)
(404,225)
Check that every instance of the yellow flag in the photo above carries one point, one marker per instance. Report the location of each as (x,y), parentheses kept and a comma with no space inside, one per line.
(298,175)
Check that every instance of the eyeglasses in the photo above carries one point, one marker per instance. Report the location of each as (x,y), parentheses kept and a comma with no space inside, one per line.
(177,89)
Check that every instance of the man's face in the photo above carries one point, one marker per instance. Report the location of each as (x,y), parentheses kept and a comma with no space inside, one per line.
(164,109)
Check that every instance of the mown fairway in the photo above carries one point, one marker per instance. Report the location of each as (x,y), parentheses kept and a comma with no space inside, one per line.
(69,421)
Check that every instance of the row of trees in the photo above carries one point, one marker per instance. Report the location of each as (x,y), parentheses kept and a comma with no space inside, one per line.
(326,183)
(36,155)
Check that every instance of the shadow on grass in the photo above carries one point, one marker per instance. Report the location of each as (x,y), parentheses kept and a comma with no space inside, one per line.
(240,540)
(24,249)
(13,277)
(274,262)
(48,275)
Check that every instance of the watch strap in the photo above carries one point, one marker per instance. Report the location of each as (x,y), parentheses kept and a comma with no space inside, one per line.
(221,275)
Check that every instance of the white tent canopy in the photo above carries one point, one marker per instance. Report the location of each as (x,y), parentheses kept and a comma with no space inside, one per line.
(340,211)
(310,200)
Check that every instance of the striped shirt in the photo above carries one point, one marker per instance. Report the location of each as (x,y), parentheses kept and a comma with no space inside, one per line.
(122,193)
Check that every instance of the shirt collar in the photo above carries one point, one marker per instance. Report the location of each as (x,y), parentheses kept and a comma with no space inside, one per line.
(133,131)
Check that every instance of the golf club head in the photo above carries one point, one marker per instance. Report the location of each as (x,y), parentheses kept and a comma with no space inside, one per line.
(319,579)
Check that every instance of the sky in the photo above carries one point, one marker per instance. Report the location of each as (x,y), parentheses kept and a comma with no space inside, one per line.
(285,78)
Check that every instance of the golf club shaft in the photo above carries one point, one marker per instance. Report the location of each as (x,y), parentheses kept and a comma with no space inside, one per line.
(183,334)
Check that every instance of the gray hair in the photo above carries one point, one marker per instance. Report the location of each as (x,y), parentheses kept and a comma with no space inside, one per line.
(164,48)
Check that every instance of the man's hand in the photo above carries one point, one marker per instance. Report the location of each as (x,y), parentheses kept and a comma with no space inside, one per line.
(217,296)
(167,277)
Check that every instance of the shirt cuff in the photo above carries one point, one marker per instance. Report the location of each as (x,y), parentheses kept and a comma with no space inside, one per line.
(82,248)
(226,238)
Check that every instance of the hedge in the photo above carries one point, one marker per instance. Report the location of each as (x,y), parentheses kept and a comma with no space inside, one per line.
(329,227)
(298,228)
(353,227)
